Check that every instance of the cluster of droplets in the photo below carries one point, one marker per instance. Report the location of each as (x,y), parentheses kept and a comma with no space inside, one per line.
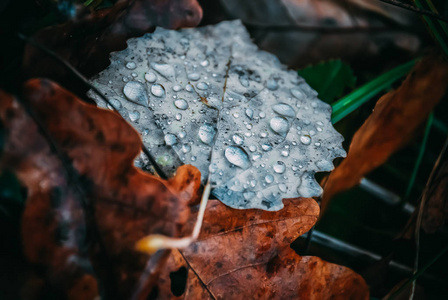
(268,132)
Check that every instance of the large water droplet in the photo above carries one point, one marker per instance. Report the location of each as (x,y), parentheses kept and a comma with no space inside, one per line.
(134,116)
(269,178)
(266,147)
(272,84)
(238,139)
(206,133)
(179,117)
(282,187)
(284,110)
(237,156)
(165,70)
(194,76)
(280,167)
(249,113)
(305,139)
(131,65)
(158,90)
(280,125)
(181,104)
(150,77)
(186,148)
(244,80)
(298,93)
(170,139)
(202,86)
(136,91)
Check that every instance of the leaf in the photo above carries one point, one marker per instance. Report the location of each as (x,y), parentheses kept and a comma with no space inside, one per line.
(208,97)
(87,204)
(393,122)
(300,33)
(338,76)
(87,42)
(246,255)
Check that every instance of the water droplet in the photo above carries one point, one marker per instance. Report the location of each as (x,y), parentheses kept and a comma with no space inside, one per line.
(193,158)
(157,90)
(213,168)
(249,195)
(280,125)
(256,156)
(179,117)
(252,148)
(236,115)
(320,123)
(238,139)
(136,91)
(205,63)
(269,178)
(298,93)
(206,133)
(285,153)
(186,148)
(131,65)
(284,110)
(177,88)
(116,104)
(272,84)
(266,147)
(165,70)
(182,134)
(237,156)
(189,88)
(244,80)
(282,187)
(262,115)
(324,165)
(249,127)
(305,139)
(194,76)
(181,104)
(134,116)
(249,113)
(263,134)
(280,167)
(317,144)
(150,77)
(202,86)
(170,139)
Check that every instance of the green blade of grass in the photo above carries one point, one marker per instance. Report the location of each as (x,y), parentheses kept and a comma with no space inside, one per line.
(438,29)
(355,99)
(419,157)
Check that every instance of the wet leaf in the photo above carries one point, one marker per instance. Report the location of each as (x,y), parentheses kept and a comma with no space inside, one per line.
(87,204)
(338,76)
(208,97)
(260,265)
(393,122)
(87,41)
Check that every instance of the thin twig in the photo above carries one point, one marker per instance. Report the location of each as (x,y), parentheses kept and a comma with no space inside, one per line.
(416,9)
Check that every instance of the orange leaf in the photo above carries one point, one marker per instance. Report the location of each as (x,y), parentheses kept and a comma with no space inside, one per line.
(396,117)
(87,204)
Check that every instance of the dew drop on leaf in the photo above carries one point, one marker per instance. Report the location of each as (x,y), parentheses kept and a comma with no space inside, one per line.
(151,77)
(207,133)
(284,110)
(158,90)
(237,156)
(280,125)
(181,104)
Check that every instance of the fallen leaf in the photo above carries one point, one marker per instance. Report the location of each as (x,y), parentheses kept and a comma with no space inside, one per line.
(247,255)
(436,208)
(87,204)
(87,41)
(392,123)
(208,97)
(303,32)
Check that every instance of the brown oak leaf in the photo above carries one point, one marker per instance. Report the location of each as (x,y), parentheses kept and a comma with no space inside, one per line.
(393,122)
(87,204)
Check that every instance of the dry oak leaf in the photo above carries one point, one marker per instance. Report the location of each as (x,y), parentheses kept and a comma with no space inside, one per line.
(247,255)
(87,41)
(92,217)
(396,117)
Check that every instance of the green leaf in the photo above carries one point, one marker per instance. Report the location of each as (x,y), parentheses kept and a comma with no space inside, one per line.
(337,77)
(361,95)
